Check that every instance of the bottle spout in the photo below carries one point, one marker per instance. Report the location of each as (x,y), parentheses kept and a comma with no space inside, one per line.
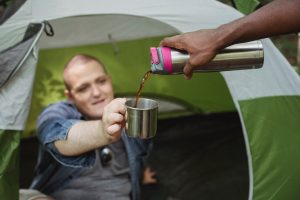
(157,66)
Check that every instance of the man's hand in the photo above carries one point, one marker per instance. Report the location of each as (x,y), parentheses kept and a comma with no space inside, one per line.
(85,136)
(149,176)
(113,119)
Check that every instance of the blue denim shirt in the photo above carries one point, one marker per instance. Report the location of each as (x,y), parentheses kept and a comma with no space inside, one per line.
(54,170)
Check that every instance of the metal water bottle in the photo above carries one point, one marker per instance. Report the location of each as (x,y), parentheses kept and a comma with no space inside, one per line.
(250,55)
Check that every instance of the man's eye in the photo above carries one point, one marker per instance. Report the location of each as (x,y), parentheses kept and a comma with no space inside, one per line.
(82,89)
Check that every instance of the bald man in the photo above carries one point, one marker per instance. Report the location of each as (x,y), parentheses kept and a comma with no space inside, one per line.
(84,152)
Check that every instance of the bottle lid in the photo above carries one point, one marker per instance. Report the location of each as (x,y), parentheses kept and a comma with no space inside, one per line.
(161,62)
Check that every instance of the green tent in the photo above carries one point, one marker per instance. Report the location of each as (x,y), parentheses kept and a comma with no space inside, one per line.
(120,33)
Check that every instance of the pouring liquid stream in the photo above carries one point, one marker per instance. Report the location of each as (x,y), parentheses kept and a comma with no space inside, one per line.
(138,94)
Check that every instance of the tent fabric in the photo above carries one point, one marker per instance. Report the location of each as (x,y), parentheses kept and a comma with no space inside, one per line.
(10,59)
(13,57)
(273,79)
(121,27)
(10,9)
(254,92)
(199,161)
(273,134)
(15,97)
(15,94)
(263,98)
(9,167)
(199,14)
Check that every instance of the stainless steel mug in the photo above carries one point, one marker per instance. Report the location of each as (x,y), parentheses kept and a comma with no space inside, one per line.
(249,55)
(141,120)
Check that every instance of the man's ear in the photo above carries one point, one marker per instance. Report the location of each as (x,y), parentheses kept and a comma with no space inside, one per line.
(68,94)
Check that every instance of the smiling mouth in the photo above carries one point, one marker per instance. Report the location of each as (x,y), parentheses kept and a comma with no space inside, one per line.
(98,102)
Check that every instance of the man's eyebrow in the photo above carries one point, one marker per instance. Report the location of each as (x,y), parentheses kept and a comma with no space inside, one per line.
(81,86)
(101,77)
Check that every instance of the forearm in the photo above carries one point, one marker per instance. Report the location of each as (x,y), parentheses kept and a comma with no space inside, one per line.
(83,137)
(275,18)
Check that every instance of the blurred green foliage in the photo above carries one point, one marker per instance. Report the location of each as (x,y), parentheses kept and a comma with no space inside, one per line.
(246,6)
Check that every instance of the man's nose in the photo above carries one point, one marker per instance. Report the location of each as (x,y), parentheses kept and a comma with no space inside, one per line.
(96,90)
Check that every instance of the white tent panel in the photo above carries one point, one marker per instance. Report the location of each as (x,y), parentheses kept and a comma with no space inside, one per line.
(72,31)
(15,96)
(275,78)
(180,18)
(11,35)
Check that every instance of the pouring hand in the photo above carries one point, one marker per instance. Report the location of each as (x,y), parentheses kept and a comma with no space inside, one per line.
(202,46)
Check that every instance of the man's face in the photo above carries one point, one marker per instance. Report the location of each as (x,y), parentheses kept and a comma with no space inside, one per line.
(90,88)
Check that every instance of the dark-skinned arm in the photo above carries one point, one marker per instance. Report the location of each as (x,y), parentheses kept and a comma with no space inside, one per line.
(276,18)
